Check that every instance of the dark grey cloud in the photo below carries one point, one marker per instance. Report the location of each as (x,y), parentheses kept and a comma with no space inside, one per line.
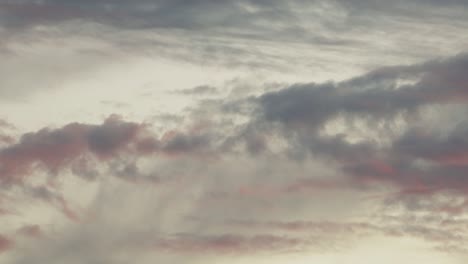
(404,7)
(377,93)
(182,143)
(449,149)
(300,113)
(258,35)
(244,19)
(419,162)
(142,13)
(194,14)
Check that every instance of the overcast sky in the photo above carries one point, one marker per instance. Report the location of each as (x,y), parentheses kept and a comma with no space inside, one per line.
(233,132)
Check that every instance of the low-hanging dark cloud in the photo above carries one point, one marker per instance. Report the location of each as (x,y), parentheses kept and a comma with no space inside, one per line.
(301,112)
(376,94)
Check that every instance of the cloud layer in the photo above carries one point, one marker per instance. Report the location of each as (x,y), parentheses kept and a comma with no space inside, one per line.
(316,128)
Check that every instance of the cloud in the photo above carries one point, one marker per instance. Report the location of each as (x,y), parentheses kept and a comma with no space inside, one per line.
(377,93)
(373,127)
(5,244)
(33,231)
(57,148)
(176,143)
(288,38)
(142,13)
(420,162)
(445,149)
(201,90)
(228,244)
(193,15)
(363,136)
(296,115)
(91,150)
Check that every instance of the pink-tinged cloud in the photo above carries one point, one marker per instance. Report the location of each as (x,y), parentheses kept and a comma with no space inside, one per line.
(315,185)
(5,139)
(408,181)
(453,159)
(310,227)
(4,212)
(450,148)
(66,209)
(446,84)
(54,149)
(33,231)
(382,167)
(228,244)
(147,145)
(329,233)
(5,244)
(296,186)
(70,145)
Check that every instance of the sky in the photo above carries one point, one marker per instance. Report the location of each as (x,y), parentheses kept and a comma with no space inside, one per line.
(233,132)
